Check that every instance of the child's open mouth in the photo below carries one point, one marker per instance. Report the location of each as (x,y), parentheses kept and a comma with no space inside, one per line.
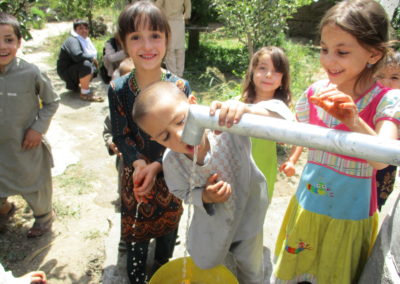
(190,149)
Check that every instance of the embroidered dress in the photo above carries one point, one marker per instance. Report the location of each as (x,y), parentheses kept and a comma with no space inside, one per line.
(162,212)
(331,222)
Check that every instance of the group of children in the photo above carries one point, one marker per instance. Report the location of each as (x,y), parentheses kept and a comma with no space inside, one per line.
(331,223)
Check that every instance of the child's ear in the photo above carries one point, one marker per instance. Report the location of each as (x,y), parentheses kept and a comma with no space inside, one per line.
(375,56)
(192,100)
(19,43)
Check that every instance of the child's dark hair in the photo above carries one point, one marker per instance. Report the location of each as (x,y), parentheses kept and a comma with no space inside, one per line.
(79,22)
(142,14)
(367,21)
(281,65)
(6,19)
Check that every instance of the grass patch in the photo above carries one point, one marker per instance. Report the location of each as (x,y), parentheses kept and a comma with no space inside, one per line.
(64,210)
(304,65)
(75,180)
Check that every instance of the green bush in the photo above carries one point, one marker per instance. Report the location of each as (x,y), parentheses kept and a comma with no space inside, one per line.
(216,69)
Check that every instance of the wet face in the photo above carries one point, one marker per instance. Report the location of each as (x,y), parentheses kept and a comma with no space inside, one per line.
(146,47)
(165,123)
(343,58)
(390,77)
(9,44)
(266,79)
(82,30)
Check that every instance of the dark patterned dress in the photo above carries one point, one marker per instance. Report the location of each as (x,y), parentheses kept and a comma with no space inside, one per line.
(385,180)
(161,214)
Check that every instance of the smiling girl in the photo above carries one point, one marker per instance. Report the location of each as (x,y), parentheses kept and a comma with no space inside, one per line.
(331,223)
(144,32)
(267,79)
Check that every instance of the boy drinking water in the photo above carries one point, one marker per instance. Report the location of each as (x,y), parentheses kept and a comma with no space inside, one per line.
(230,194)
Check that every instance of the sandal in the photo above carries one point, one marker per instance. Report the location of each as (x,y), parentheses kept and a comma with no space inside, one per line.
(91,98)
(39,229)
(5,217)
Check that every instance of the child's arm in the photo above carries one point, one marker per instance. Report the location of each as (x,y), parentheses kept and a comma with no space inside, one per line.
(107,137)
(50,102)
(177,175)
(231,111)
(288,167)
(122,135)
(343,108)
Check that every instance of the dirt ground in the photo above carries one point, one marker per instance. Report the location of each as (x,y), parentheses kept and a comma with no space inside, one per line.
(85,234)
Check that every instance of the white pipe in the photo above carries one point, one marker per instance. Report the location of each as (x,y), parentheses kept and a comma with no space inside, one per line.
(346,143)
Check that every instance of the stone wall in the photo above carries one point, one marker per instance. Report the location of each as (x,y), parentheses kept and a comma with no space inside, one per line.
(305,21)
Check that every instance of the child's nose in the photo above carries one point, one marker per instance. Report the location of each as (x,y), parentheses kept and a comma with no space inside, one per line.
(147,43)
(179,134)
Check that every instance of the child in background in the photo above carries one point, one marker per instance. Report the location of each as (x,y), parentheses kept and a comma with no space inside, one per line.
(144,32)
(113,55)
(229,194)
(124,68)
(331,222)
(267,79)
(25,157)
(388,76)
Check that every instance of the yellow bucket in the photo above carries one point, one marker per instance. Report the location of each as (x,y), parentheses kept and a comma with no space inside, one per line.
(172,273)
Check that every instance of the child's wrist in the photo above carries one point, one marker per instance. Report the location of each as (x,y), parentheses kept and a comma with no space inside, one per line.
(139,163)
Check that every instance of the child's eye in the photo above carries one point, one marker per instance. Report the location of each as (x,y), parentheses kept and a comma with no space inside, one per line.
(181,122)
(343,52)
(9,40)
(394,78)
(156,36)
(324,50)
(134,37)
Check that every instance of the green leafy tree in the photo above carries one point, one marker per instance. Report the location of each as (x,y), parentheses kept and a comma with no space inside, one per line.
(257,22)
(25,12)
(74,9)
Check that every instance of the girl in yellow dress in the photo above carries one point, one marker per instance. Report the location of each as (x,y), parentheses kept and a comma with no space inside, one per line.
(331,222)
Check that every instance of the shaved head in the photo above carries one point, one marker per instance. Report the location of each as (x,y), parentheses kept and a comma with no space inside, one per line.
(153,94)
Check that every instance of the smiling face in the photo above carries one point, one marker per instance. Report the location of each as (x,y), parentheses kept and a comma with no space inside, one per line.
(266,79)
(9,44)
(390,76)
(165,123)
(343,57)
(82,30)
(146,47)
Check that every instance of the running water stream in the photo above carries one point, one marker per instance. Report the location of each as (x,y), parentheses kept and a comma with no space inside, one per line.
(186,271)
(136,263)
